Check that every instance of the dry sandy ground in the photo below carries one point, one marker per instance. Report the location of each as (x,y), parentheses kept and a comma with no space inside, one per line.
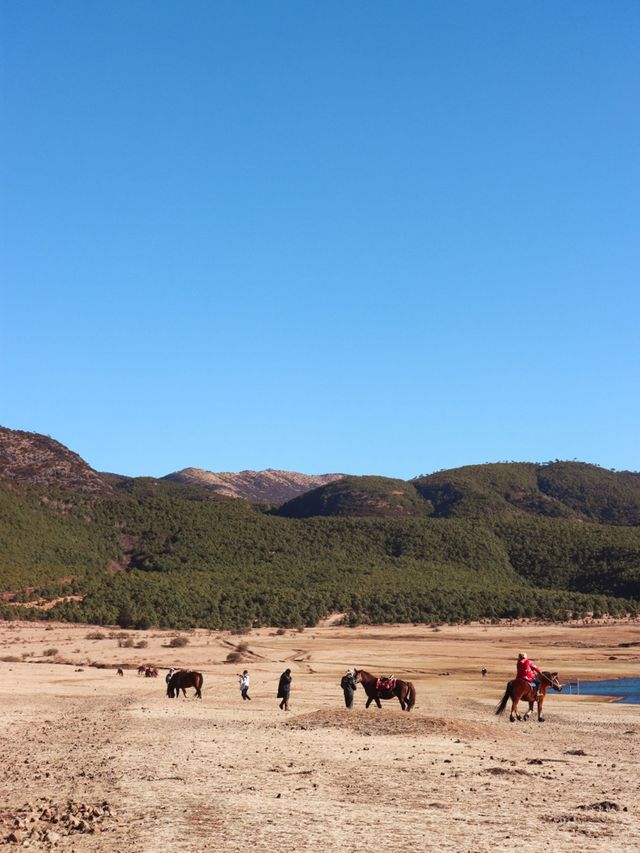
(225,774)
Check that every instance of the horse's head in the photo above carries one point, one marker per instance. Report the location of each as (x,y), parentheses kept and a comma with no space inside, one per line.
(552,679)
(357,674)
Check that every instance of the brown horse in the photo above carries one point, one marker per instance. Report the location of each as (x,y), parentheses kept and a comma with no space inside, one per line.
(377,689)
(182,679)
(520,689)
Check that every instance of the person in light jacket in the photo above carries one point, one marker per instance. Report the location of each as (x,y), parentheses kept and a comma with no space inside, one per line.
(244,685)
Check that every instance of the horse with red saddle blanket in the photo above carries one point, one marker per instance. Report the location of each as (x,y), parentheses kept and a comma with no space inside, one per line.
(386,688)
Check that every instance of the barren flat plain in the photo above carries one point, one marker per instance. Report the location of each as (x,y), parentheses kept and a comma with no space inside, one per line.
(95,761)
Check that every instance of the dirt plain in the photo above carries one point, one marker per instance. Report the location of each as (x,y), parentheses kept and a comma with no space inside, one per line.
(93,761)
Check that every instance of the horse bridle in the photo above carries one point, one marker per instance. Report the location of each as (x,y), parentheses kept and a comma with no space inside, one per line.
(553,681)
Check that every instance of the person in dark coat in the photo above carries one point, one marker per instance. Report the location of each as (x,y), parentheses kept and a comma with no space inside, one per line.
(348,684)
(284,688)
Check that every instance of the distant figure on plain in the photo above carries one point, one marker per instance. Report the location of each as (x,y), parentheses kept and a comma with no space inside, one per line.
(284,688)
(348,684)
(484,671)
(244,685)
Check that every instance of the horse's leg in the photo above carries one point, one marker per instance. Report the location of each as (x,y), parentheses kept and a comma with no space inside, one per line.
(377,698)
(540,701)
(369,701)
(514,707)
(530,698)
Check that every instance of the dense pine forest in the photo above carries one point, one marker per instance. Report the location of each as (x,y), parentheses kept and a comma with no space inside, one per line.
(508,540)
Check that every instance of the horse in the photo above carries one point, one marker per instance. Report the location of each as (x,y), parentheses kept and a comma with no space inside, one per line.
(182,679)
(142,669)
(520,689)
(151,672)
(377,689)
(120,672)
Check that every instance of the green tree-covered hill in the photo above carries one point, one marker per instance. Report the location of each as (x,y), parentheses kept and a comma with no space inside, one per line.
(490,541)
(381,497)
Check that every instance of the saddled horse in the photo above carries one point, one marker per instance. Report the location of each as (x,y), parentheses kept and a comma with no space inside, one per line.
(385,688)
(519,689)
(183,678)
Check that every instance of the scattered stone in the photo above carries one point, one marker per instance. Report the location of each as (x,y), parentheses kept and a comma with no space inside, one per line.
(32,825)
(604,806)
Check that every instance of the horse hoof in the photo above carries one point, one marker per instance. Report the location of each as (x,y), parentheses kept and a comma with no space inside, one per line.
(512,719)
(541,719)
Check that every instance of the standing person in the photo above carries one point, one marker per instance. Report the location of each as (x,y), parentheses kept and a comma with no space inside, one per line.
(244,685)
(484,671)
(348,684)
(284,688)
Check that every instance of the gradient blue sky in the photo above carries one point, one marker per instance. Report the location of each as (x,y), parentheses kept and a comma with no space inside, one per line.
(374,238)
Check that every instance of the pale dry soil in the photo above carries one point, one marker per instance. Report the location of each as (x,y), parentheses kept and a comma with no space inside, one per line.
(191,775)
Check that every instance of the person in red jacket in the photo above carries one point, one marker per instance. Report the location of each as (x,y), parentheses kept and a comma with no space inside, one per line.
(527,671)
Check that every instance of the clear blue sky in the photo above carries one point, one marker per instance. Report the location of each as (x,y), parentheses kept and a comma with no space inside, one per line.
(374,238)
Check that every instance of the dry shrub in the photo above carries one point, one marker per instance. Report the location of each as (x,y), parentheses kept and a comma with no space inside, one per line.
(96,635)
(281,631)
(242,647)
(10,659)
(234,657)
(142,644)
(50,653)
(178,642)
(125,644)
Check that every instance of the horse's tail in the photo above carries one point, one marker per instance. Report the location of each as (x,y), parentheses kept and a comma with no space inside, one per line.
(199,683)
(503,702)
(411,696)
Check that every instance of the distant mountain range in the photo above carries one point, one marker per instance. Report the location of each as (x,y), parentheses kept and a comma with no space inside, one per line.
(279,547)
(270,487)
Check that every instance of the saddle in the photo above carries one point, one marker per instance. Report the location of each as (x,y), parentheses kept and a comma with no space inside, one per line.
(383,683)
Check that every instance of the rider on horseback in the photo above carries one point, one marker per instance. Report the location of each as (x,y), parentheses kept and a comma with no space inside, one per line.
(526,670)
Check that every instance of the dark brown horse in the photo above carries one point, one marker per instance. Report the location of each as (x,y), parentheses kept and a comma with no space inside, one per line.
(519,689)
(378,688)
(182,679)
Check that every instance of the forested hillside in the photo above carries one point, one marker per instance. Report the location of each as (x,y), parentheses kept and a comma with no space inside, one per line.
(489,541)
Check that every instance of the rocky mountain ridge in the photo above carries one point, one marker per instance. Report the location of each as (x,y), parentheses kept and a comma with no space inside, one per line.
(34,459)
(270,486)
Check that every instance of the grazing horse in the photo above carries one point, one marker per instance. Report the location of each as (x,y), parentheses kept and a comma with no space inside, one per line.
(151,672)
(120,672)
(377,689)
(182,679)
(520,689)
(142,669)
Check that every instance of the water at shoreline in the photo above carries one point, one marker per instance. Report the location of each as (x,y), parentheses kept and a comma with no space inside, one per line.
(627,690)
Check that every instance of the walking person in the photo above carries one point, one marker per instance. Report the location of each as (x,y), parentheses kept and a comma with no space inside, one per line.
(244,685)
(284,688)
(348,684)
